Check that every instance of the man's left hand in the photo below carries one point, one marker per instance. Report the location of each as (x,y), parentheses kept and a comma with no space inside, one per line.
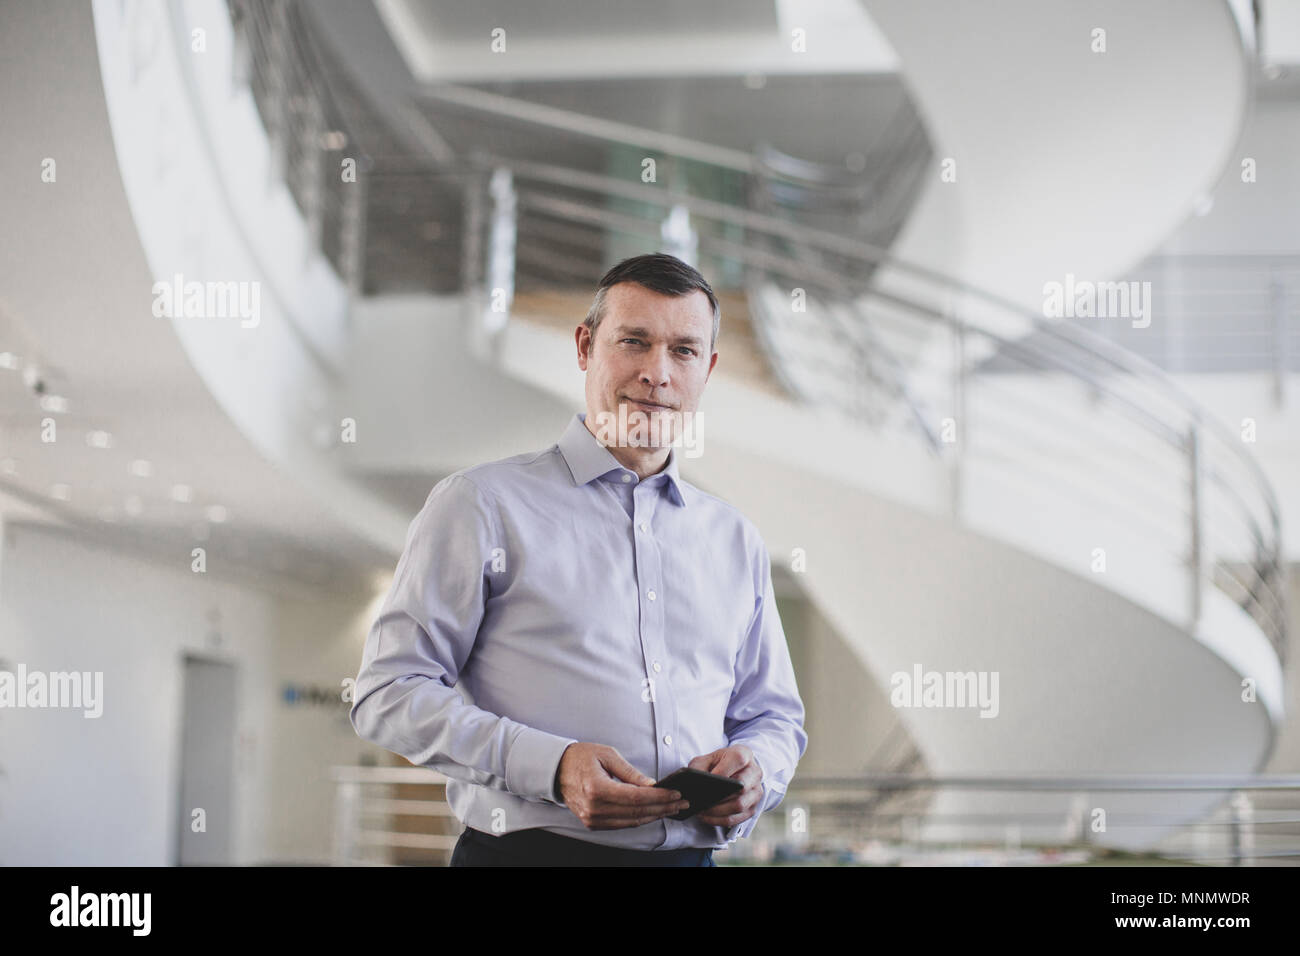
(738,763)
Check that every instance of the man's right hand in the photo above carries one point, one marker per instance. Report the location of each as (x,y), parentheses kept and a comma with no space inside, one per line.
(606,792)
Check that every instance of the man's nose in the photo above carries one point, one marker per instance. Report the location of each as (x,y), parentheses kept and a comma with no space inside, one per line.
(655,370)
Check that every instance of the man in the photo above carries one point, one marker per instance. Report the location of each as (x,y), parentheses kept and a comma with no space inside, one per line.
(611,622)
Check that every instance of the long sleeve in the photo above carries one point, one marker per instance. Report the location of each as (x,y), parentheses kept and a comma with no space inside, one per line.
(766,713)
(406,698)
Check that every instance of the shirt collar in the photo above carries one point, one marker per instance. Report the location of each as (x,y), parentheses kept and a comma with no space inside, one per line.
(587,458)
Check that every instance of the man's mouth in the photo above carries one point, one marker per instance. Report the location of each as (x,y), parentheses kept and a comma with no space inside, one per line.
(650,406)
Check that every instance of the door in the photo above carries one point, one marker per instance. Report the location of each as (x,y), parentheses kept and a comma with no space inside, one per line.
(207,763)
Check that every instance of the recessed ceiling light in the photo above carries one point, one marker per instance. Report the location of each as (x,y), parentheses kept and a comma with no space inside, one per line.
(182,493)
(54,403)
(10,361)
(99,439)
(141,468)
(61,491)
(217,514)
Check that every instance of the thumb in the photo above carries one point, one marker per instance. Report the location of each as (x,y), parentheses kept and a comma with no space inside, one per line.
(703,762)
(621,769)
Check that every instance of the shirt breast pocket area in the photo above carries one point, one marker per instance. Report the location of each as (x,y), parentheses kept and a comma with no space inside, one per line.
(704,634)
(562,585)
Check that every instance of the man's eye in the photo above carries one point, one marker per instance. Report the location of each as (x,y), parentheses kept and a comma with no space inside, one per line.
(687,349)
(637,341)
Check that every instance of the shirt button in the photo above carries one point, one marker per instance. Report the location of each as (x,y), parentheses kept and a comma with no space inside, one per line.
(626,479)
(668,739)
(650,594)
(644,526)
(656,666)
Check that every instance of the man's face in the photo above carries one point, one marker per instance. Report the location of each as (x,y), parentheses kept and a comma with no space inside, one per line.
(651,352)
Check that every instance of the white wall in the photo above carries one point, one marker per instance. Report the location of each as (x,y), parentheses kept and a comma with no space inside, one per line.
(1259,216)
(848,716)
(319,644)
(1068,160)
(96,792)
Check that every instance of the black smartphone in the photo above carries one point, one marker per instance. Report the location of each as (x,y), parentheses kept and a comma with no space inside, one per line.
(702,789)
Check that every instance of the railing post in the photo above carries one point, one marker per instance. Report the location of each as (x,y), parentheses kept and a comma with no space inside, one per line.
(960,432)
(352,233)
(474,215)
(1277,296)
(1195,531)
(277,88)
(501,252)
(313,165)
(1077,820)
(347,800)
(679,236)
(312,151)
(1243,830)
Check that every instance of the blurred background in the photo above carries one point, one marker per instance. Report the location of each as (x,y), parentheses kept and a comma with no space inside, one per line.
(1007,379)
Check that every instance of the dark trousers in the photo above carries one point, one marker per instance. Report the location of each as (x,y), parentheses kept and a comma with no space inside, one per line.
(536,847)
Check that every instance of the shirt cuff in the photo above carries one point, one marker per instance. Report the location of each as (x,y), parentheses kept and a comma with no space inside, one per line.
(742,829)
(532,763)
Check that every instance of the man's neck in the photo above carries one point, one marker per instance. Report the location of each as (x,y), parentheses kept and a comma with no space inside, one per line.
(644,461)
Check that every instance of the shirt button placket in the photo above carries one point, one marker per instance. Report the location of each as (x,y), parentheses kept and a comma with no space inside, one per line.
(652,639)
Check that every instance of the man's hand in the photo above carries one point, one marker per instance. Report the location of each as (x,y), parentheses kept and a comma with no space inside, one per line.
(738,763)
(606,792)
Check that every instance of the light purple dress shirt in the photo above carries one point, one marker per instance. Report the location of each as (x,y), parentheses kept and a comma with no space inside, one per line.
(573,601)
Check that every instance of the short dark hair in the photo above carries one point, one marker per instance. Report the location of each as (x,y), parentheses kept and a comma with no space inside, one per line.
(658,272)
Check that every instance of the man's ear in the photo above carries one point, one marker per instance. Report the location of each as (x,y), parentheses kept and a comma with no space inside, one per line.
(712,362)
(582,338)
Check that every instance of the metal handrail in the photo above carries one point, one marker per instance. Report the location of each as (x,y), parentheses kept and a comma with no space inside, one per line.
(871,800)
(352,804)
(1120,359)
(1064,333)
(879,809)
(1200,783)
(770,245)
(1154,402)
(1253,299)
(1080,339)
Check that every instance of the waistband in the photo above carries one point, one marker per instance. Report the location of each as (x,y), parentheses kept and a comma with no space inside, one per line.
(536,842)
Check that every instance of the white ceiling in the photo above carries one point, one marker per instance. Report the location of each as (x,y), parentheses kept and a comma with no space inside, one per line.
(75,303)
(549,39)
